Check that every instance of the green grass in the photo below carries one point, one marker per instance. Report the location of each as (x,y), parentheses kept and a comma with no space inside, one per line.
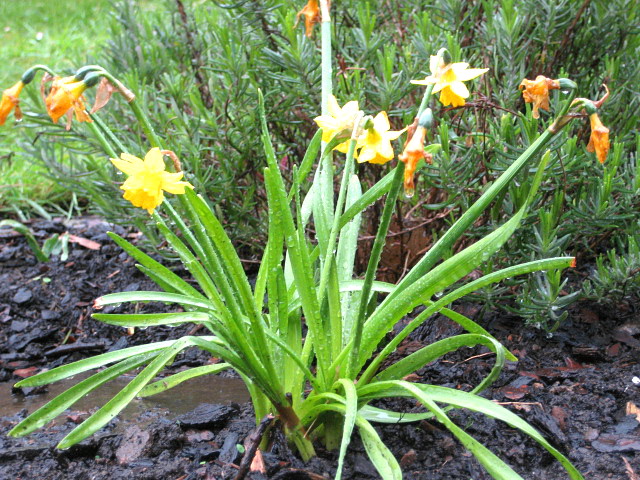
(63,34)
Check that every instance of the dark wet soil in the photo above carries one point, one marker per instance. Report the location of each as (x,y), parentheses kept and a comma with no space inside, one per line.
(580,387)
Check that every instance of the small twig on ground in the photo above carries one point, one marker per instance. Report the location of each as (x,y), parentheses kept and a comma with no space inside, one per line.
(253,440)
(629,469)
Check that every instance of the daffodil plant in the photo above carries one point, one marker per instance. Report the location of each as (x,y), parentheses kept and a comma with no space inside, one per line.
(320,383)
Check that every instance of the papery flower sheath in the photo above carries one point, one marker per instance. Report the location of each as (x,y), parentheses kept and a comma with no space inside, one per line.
(599,139)
(537,92)
(339,121)
(10,102)
(311,12)
(447,79)
(412,154)
(375,142)
(148,179)
(66,96)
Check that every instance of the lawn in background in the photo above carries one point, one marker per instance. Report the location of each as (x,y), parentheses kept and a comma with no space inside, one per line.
(62,34)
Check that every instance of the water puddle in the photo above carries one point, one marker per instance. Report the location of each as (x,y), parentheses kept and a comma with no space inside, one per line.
(171,403)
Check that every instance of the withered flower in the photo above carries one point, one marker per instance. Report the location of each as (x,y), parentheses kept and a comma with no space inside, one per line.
(537,92)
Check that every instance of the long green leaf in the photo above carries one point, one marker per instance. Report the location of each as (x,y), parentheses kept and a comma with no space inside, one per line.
(351,412)
(176,379)
(65,371)
(151,319)
(156,267)
(142,296)
(472,402)
(370,196)
(378,453)
(59,404)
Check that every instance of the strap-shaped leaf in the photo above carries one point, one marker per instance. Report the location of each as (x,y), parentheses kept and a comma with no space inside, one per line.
(176,379)
(378,453)
(178,284)
(379,415)
(461,399)
(63,401)
(370,196)
(164,297)
(425,355)
(83,365)
(151,319)
(31,240)
(350,414)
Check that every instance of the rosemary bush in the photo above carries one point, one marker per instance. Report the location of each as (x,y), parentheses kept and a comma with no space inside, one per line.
(209,59)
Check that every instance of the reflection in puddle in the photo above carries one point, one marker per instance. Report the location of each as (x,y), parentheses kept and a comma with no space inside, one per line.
(176,401)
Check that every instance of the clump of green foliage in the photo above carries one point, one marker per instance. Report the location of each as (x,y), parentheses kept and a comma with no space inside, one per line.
(209,60)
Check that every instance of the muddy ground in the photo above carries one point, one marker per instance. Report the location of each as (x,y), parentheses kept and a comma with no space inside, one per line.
(579,387)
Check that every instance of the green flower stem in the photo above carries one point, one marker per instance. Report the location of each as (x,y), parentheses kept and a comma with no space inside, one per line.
(140,115)
(346,175)
(376,250)
(372,266)
(109,133)
(27,76)
(106,146)
(327,69)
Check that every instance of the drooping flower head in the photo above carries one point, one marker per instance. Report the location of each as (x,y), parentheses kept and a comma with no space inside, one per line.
(599,139)
(339,121)
(148,179)
(10,102)
(375,142)
(447,79)
(311,12)
(65,97)
(412,154)
(537,92)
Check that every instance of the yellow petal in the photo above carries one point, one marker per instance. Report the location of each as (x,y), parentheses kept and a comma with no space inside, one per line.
(153,160)
(471,73)
(459,89)
(129,166)
(381,122)
(435,63)
(394,134)
(332,107)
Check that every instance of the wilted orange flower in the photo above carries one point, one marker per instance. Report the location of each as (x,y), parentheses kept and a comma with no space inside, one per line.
(599,139)
(311,12)
(10,101)
(148,179)
(412,154)
(537,92)
(447,79)
(65,95)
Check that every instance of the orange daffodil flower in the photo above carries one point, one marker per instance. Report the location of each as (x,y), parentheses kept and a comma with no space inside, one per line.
(10,102)
(311,12)
(373,145)
(412,154)
(66,96)
(447,79)
(599,139)
(537,92)
(148,179)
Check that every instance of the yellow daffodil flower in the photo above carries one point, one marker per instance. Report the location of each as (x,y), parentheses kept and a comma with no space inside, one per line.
(537,92)
(311,12)
(10,102)
(447,79)
(375,143)
(66,95)
(148,179)
(412,154)
(339,121)
(599,139)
